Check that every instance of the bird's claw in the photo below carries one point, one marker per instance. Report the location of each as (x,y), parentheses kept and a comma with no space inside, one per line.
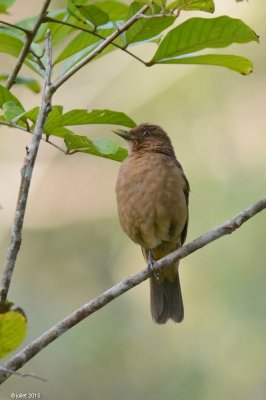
(152,264)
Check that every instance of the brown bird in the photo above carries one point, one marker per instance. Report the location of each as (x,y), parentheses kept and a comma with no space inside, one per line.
(152,196)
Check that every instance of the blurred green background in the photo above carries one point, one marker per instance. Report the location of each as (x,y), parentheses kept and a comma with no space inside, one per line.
(73,247)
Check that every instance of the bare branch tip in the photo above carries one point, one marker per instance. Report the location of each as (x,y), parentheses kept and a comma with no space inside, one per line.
(48,37)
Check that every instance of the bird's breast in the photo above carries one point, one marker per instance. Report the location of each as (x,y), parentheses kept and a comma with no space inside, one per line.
(150,197)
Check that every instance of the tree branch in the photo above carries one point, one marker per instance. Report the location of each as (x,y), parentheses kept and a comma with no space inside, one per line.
(26,175)
(106,297)
(98,49)
(30,35)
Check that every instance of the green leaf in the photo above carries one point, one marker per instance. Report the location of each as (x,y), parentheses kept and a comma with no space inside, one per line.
(189,5)
(116,10)
(81,41)
(10,43)
(161,3)
(13,327)
(145,29)
(6,95)
(58,31)
(200,33)
(5,4)
(149,3)
(110,149)
(73,9)
(94,15)
(82,117)
(54,120)
(235,63)
(87,13)
(61,131)
(79,56)
(106,148)
(73,60)
(11,110)
(57,121)
(30,83)
(80,143)
(32,115)
(27,23)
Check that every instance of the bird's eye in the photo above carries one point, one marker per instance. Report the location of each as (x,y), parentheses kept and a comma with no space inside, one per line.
(145,133)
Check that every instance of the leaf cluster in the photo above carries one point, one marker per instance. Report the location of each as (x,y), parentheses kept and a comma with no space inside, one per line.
(83,25)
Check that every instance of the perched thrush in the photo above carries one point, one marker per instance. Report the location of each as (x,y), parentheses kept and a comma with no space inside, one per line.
(152,196)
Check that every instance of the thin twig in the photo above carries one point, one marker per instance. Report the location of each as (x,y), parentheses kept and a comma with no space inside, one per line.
(10,124)
(25,49)
(26,31)
(23,375)
(54,145)
(98,49)
(106,297)
(94,33)
(26,175)
(154,16)
(38,59)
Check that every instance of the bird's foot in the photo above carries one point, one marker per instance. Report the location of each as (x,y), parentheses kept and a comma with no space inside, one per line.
(152,266)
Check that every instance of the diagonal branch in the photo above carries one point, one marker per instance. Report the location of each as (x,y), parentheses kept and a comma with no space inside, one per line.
(99,48)
(106,297)
(25,49)
(26,175)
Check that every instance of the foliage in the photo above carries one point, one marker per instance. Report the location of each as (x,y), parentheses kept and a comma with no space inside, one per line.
(88,25)
(12,328)
(199,33)
(84,31)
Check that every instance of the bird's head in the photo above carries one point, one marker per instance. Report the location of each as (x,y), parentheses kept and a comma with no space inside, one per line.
(146,138)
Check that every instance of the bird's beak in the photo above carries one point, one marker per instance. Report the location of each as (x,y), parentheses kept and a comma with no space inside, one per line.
(124,134)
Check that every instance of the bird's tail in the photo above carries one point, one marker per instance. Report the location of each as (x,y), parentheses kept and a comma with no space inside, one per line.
(166,300)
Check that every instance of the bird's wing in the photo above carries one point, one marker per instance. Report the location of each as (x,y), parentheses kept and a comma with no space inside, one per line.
(186,193)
